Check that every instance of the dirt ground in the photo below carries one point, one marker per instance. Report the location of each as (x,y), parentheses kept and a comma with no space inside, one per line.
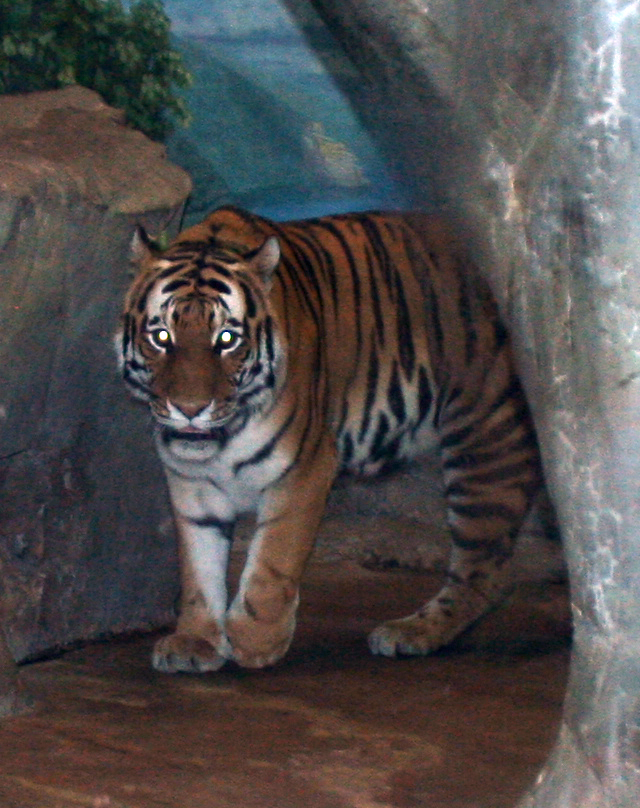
(329,727)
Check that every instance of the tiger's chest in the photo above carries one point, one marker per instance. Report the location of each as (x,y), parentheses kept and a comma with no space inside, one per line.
(234,472)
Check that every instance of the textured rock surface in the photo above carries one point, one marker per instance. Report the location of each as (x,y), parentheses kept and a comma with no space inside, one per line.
(522,120)
(83,547)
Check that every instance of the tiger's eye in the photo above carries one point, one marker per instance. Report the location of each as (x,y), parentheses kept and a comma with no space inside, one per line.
(227,339)
(161,338)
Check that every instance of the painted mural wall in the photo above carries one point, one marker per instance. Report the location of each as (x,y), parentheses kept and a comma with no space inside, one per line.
(271,129)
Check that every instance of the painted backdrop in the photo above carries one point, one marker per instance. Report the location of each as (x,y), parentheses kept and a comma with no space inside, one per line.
(271,130)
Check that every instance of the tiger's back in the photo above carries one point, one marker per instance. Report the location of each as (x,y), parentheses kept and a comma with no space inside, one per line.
(370,339)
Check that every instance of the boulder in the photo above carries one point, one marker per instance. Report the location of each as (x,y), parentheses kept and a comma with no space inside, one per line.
(86,548)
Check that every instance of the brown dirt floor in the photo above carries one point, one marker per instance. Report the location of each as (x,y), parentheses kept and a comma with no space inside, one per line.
(329,727)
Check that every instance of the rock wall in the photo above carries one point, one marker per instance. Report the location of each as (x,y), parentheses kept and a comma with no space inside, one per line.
(85,540)
(522,121)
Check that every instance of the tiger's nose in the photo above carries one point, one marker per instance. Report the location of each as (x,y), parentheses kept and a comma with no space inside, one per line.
(190,409)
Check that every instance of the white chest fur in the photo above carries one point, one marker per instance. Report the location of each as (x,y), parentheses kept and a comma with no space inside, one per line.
(207,479)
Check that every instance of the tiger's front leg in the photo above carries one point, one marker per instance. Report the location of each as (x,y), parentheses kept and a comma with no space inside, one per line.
(198,643)
(261,620)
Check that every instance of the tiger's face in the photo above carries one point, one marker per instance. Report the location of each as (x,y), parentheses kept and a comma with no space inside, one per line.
(198,341)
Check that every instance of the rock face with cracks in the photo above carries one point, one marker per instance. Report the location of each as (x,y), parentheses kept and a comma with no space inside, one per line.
(521,120)
(82,513)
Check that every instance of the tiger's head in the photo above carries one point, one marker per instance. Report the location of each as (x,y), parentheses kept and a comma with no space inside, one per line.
(198,339)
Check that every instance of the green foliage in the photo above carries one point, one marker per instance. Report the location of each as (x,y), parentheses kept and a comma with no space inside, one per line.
(126,56)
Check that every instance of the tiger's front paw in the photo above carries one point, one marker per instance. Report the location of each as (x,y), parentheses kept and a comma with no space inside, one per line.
(256,644)
(183,653)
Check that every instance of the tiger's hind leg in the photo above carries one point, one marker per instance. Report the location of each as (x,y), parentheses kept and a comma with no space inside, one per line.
(474,585)
(491,472)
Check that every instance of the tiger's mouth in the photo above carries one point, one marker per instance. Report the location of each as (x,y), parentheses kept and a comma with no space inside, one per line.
(192,435)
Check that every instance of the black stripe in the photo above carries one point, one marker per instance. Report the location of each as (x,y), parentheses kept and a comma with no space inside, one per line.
(307,267)
(468,459)
(484,510)
(185,248)
(170,270)
(343,415)
(323,260)
(175,284)
(501,474)
(446,396)
(395,397)
(268,335)
(375,297)
(134,365)
(336,231)
(249,300)
(460,437)
(226,273)
(267,382)
(141,305)
(128,332)
(500,548)
(450,415)
(390,454)
(372,387)
(433,311)
(425,397)
(512,390)
(467,483)
(406,348)
(467,317)
(303,440)
(377,241)
(347,448)
(132,382)
(225,527)
(298,286)
(378,446)
(501,335)
(267,449)
(215,284)
(516,421)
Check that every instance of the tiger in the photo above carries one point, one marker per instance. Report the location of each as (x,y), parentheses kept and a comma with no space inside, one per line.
(275,356)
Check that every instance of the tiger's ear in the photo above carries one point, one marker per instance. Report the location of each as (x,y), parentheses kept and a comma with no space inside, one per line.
(265,259)
(143,247)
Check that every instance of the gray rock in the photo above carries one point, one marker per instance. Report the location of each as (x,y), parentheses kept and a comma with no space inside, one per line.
(521,119)
(85,549)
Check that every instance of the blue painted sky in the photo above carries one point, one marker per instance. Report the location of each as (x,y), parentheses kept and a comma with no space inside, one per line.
(256,75)
(228,17)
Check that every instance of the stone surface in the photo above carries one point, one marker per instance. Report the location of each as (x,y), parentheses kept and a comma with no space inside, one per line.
(85,547)
(14,698)
(522,121)
(331,726)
